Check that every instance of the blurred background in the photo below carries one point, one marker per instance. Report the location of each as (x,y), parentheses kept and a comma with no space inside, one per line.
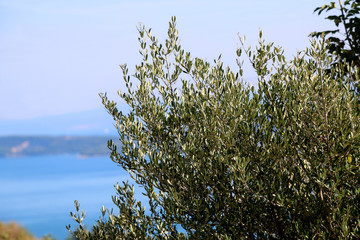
(56,56)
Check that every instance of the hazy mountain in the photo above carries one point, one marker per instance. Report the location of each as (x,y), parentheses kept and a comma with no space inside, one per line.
(95,122)
(86,146)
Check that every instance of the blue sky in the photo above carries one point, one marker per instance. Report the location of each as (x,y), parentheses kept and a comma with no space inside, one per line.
(56,56)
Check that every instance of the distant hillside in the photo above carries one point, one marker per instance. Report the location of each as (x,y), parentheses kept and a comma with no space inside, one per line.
(16,146)
(88,123)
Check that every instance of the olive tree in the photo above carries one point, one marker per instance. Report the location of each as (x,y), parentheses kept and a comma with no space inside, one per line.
(218,158)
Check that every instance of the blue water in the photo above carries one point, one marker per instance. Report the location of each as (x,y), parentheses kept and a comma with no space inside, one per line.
(39,192)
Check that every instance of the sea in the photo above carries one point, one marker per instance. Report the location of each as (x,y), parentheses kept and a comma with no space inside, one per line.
(38,192)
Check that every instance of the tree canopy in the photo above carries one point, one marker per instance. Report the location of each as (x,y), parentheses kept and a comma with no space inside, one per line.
(345,44)
(220,159)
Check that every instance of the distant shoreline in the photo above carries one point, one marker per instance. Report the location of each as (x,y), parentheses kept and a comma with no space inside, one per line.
(82,146)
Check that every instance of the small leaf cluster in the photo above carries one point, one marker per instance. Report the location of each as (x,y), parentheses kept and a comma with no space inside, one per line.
(220,159)
(344,45)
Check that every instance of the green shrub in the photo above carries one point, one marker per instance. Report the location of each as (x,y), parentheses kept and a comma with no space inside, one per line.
(220,159)
(13,231)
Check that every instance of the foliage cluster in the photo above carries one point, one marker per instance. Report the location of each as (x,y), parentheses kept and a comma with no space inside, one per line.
(344,45)
(220,159)
(13,231)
